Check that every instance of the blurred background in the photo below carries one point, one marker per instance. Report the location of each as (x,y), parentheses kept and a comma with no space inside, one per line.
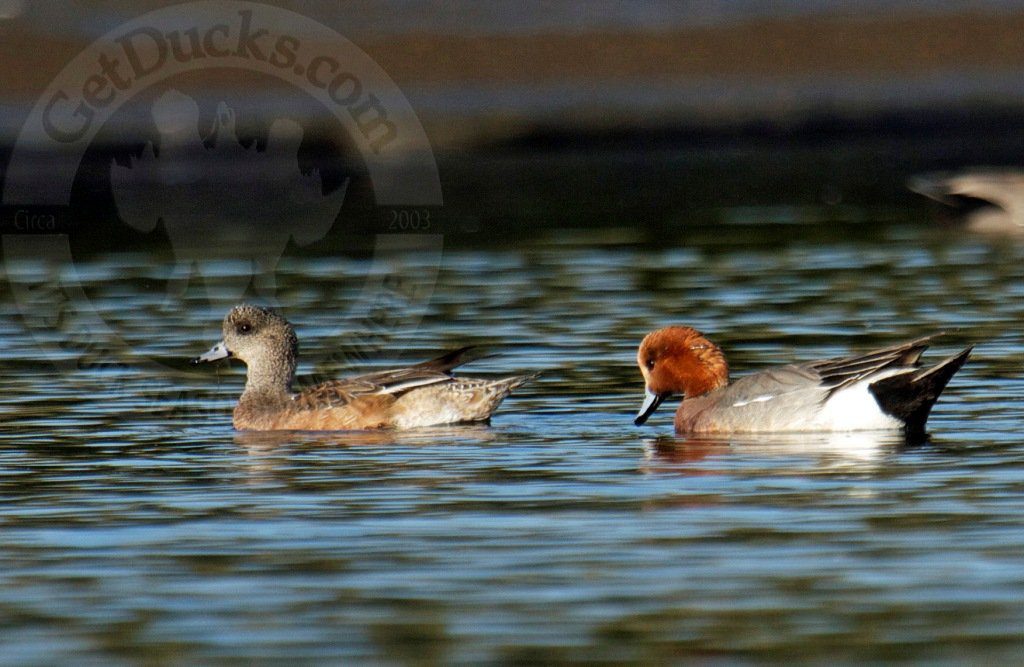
(649,113)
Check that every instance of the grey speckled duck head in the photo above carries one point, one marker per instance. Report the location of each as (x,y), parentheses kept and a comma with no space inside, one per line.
(264,340)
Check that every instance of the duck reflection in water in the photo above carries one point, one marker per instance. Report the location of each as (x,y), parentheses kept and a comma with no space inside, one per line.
(262,442)
(863,451)
(278,455)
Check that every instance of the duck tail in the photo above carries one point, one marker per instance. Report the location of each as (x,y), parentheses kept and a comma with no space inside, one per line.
(496,391)
(511,383)
(910,396)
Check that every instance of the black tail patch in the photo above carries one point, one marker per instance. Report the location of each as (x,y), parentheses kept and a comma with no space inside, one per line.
(910,396)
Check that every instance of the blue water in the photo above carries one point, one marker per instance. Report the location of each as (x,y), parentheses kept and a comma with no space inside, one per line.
(138,526)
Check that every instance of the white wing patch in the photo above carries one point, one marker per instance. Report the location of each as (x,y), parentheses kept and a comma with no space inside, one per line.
(411,384)
(759,399)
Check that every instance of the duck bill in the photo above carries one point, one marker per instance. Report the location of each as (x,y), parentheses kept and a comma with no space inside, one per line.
(218,351)
(933,186)
(651,403)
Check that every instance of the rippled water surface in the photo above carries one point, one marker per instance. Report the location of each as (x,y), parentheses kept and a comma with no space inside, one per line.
(137,524)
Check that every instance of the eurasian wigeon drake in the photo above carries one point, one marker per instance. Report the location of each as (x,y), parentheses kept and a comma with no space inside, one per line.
(985,200)
(426,394)
(882,389)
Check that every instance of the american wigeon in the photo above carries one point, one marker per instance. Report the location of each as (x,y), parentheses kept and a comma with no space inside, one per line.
(426,394)
(883,389)
(984,200)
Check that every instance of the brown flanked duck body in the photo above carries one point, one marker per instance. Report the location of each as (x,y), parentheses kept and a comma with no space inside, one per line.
(884,389)
(985,200)
(426,394)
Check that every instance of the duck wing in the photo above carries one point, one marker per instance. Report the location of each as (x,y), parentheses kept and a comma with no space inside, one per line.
(392,382)
(837,373)
(829,375)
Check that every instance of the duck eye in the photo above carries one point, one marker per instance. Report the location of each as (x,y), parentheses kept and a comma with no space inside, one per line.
(244,328)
